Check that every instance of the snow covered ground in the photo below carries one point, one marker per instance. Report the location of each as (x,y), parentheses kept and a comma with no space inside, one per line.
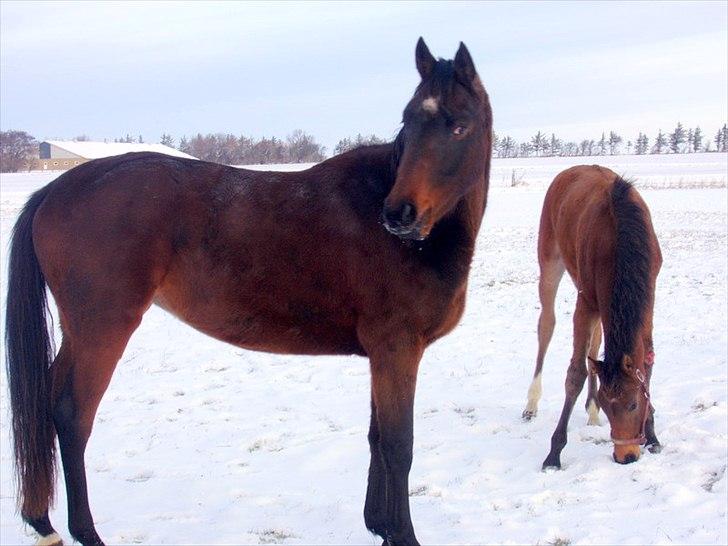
(199,442)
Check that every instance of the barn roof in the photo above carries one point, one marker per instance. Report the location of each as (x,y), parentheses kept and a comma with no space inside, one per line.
(95,150)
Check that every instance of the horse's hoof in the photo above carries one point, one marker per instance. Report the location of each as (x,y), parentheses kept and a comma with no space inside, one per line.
(655,448)
(50,540)
(527,415)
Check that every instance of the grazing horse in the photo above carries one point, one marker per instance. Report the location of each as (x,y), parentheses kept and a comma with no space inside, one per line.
(366,253)
(597,227)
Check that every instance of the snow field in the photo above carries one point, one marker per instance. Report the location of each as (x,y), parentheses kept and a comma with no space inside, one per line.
(199,442)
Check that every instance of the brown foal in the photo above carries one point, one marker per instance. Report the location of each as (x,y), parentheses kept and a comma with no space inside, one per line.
(597,227)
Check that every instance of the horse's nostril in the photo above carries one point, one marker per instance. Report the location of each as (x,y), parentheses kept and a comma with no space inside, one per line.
(408,214)
(402,216)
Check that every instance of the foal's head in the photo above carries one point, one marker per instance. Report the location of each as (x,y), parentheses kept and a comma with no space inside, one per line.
(625,398)
(443,147)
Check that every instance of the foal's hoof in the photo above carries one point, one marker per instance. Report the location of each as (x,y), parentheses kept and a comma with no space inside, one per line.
(551,463)
(655,448)
(50,540)
(527,415)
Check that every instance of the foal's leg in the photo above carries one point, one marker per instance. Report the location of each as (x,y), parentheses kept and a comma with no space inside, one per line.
(592,403)
(653,444)
(552,269)
(83,376)
(584,320)
(394,363)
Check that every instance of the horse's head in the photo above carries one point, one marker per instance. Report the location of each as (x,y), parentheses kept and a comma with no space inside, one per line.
(443,147)
(624,395)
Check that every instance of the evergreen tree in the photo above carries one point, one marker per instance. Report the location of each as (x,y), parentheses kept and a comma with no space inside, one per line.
(677,139)
(167,140)
(689,142)
(697,139)
(720,139)
(184,145)
(539,143)
(555,146)
(602,144)
(660,143)
(614,141)
(642,144)
(508,147)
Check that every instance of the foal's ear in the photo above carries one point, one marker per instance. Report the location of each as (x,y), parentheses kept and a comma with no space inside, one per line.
(464,67)
(594,365)
(424,59)
(627,365)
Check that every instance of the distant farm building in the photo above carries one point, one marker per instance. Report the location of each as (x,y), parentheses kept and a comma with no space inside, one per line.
(57,155)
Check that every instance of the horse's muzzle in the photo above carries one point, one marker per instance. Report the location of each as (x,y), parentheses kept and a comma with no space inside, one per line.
(402,221)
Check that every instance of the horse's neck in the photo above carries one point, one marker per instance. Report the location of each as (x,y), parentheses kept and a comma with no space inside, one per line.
(449,248)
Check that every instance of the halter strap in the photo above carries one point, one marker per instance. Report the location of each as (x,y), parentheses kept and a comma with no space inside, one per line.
(641,439)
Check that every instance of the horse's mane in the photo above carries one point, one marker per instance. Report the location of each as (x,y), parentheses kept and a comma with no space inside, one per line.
(631,286)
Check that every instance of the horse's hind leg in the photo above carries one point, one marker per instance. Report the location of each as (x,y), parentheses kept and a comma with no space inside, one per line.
(552,269)
(42,526)
(87,362)
(592,403)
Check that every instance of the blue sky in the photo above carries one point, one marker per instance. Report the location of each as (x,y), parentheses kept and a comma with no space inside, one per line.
(335,69)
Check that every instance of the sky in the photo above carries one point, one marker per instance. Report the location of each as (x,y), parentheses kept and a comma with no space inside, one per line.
(337,69)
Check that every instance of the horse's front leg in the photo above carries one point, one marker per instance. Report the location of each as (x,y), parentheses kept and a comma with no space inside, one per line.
(375,507)
(394,363)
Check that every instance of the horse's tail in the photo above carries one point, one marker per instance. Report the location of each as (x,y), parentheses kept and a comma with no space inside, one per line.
(631,285)
(29,354)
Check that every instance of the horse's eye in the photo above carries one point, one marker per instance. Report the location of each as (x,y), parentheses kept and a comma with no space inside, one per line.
(458,130)
(632,406)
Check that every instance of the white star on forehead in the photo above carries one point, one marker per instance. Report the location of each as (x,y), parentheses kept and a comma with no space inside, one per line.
(430,105)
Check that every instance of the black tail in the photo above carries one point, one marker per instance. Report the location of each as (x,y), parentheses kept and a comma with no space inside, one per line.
(631,288)
(29,354)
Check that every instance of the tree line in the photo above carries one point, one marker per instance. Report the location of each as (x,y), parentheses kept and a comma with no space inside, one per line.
(18,149)
(679,141)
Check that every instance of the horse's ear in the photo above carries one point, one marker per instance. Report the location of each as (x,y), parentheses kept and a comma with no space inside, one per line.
(464,67)
(594,365)
(424,59)
(627,365)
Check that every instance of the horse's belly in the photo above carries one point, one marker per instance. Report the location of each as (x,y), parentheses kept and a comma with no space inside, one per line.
(267,331)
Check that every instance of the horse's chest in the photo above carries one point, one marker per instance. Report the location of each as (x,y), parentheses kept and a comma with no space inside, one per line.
(445,316)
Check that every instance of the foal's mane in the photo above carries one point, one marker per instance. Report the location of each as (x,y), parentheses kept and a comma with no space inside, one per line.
(631,286)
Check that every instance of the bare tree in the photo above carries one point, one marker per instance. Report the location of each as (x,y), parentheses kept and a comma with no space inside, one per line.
(302,148)
(18,150)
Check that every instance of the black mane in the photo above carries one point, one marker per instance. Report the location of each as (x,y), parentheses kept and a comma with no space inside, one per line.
(631,287)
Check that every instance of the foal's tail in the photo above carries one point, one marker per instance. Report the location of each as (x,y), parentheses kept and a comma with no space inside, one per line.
(29,354)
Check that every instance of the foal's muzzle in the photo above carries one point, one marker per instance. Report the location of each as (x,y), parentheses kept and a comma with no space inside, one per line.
(401,221)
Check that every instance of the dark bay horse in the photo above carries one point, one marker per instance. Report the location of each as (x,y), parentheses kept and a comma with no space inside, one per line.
(597,227)
(367,253)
